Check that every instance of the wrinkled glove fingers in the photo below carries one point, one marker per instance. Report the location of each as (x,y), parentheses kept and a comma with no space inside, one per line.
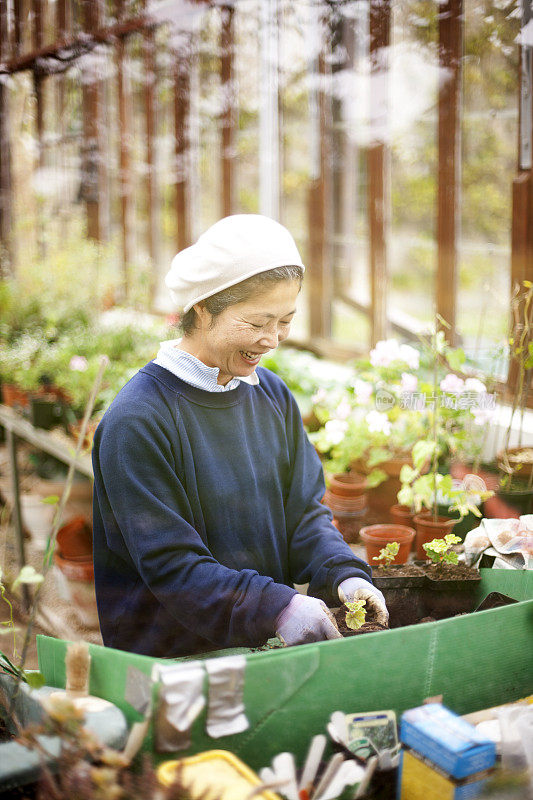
(329,626)
(377,611)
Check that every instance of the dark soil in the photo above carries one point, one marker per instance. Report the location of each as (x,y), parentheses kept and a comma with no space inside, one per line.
(340,619)
(397,571)
(451,572)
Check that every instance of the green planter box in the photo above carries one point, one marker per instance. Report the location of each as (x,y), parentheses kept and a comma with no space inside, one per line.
(474,661)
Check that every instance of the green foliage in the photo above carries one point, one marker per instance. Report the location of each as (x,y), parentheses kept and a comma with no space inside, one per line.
(439,550)
(33,678)
(356,614)
(387,554)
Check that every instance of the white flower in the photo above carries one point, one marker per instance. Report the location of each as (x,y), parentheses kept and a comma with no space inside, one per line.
(319,396)
(385,353)
(336,429)
(78,363)
(363,391)
(409,382)
(378,422)
(482,415)
(344,409)
(410,356)
(474,385)
(451,383)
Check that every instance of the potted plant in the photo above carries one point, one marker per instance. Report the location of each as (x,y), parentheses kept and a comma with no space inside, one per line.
(377,537)
(351,619)
(421,491)
(451,586)
(515,463)
(402,585)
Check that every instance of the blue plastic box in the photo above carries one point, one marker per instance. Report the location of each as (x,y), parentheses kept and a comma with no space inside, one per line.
(447,740)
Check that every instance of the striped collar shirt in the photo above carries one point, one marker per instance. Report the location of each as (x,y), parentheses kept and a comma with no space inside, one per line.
(193,371)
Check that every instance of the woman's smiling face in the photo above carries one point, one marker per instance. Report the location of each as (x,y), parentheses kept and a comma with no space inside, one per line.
(235,340)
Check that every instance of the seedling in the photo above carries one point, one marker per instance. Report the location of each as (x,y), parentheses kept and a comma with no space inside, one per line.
(356,614)
(439,550)
(387,554)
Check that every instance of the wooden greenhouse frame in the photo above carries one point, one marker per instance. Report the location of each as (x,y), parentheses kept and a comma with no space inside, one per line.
(94,26)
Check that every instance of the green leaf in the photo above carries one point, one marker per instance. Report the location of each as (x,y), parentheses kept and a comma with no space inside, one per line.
(356,615)
(27,574)
(422,451)
(34,679)
(456,358)
(378,455)
(52,500)
(407,474)
(9,629)
(376,477)
(405,496)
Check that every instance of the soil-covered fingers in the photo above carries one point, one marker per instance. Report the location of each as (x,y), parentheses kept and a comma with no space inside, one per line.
(376,610)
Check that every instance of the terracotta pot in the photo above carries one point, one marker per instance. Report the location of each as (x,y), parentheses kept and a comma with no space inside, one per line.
(346,494)
(401,515)
(75,539)
(15,397)
(376,537)
(382,497)
(524,473)
(76,569)
(427,530)
(75,580)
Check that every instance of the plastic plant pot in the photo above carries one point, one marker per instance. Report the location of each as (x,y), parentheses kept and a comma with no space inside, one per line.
(376,537)
(46,412)
(404,594)
(427,529)
(451,596)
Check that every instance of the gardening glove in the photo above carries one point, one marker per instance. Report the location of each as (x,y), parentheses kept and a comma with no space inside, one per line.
(306,619)
(359,589)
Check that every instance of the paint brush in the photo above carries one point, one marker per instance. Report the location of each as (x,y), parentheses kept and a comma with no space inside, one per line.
(315,752)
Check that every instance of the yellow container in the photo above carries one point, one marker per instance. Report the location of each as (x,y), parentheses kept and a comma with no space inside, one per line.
(214,775)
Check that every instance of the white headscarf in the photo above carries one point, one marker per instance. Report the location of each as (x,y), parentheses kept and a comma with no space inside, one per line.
(231,250)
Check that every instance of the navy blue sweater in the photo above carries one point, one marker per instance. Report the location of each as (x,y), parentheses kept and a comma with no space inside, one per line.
(206,511)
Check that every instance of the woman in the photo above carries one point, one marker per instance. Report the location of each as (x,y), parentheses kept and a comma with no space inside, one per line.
(207,491)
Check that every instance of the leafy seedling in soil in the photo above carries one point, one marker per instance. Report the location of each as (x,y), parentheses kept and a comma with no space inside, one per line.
(387,555)
(439,550)
(356,614)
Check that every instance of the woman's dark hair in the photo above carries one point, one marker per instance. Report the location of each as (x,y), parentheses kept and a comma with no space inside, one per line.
(242,291)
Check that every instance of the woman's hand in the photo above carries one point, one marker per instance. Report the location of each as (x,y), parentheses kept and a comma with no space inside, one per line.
(304,620)
(358,589)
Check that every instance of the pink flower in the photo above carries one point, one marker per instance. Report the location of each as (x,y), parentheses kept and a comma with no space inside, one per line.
(344,409)
(482,415)
(78,363)
(385,353)
(451,383)
(409,382)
